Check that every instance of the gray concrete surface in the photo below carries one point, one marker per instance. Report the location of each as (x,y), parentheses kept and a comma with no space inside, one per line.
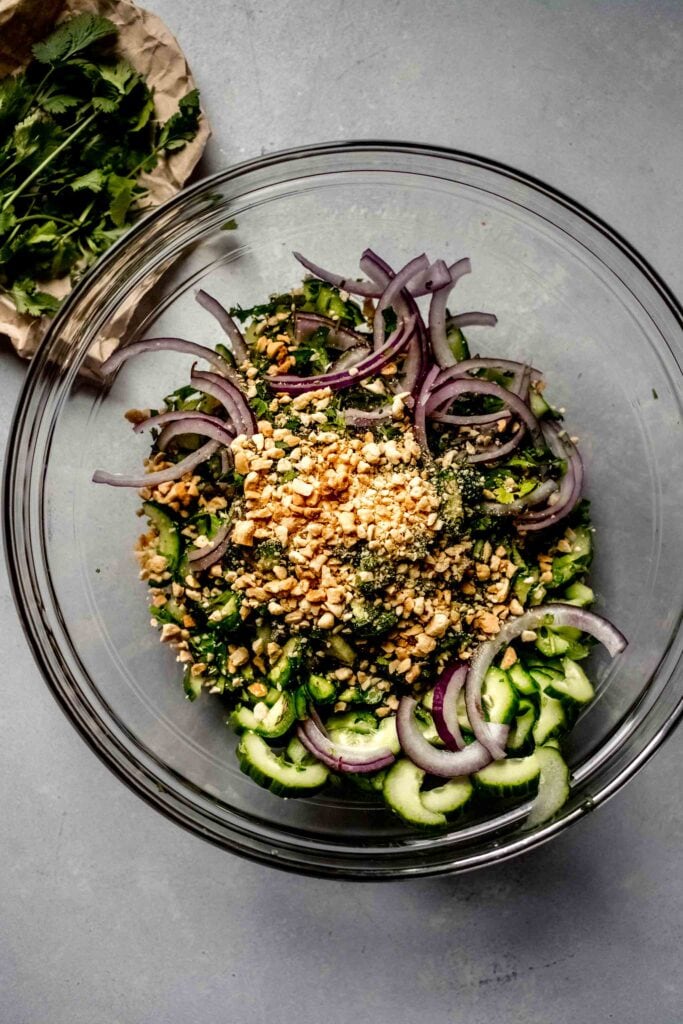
(109,914)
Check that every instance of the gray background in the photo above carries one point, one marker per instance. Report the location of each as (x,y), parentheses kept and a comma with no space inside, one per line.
(109,913)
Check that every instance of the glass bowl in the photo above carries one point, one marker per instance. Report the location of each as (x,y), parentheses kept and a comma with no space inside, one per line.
(570,295)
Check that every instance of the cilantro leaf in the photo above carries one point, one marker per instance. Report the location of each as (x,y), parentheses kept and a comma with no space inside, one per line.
(93,181)
(72,37)
(182,126)
(29,300)
(121,191)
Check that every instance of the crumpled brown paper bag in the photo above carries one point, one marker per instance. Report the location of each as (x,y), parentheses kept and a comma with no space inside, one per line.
(149,46)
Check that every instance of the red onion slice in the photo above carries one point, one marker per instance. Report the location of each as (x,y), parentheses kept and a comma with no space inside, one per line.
(220,313)
(444,704)
(473,319)
(175,472)
(474,386)
(444,763)
(230,397)
(437,317)
(204,558)
(484,656)
(368,367)
(339,337)
(346,284)
(535,497)
(185,421)
(339,757)
(368,418)
(392,292)
(189,348)
(420,417)
(571,484)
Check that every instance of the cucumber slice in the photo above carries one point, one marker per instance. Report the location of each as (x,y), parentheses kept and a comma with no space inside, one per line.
(553,790)
(283,671)
(498,697)
(224,612)
(169,544)
(515,776)
(339,649)
(192,685)
(520,739)
(575,689)
(321,689)
(579,595)
(369,782)
(275,723)
(552,721)
(272,772)
(296,753)
(401,793)
(524,683)
(450,799)
(358,721)
(383,737)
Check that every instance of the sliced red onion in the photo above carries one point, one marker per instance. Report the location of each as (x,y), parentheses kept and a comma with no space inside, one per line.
(570,489)
(474,386)
(161,476)
(367,417)
(420,416)
(186,421)
(230,397)
(484,656)
(535,497)
(350,358)
(473,319)
(437,330)
(339,757)
(392,292)
(368,367)
(220,313)
(415,362)
(444,763)
(345,284)
(495,452)
(555,614)
(189,348)
(204,558)
(339,337)
(444,704)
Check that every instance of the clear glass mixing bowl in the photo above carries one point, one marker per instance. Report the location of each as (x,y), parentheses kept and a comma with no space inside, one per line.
(570,295)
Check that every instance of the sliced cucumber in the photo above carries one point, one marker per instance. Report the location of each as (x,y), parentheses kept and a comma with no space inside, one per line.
(515,776)
(276,721)
(338,648)
(575,688)
(358,721)
(224,612)
(284,670)
(498,697)
(553,790)
(450,799)
(170,543)
(552,721)
(401,792)
(525,685)
(296,753)
(383,737)
(272,772)
(566,567)
(579,595)
(520,739)
(192,685)
(369,782)
(538,404)
(321,689)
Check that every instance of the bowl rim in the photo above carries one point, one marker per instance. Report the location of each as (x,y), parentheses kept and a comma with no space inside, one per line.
(108,748)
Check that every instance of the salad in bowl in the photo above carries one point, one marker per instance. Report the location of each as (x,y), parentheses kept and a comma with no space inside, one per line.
(372,546)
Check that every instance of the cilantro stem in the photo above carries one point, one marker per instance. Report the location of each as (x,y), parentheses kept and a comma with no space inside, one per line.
(48,160)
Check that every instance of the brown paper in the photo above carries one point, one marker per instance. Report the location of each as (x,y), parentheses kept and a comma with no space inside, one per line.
(148,45)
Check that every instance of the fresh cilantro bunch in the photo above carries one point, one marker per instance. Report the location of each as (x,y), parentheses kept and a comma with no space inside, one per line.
(77,128)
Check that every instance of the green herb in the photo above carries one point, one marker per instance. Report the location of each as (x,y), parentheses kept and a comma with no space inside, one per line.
(77,128)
